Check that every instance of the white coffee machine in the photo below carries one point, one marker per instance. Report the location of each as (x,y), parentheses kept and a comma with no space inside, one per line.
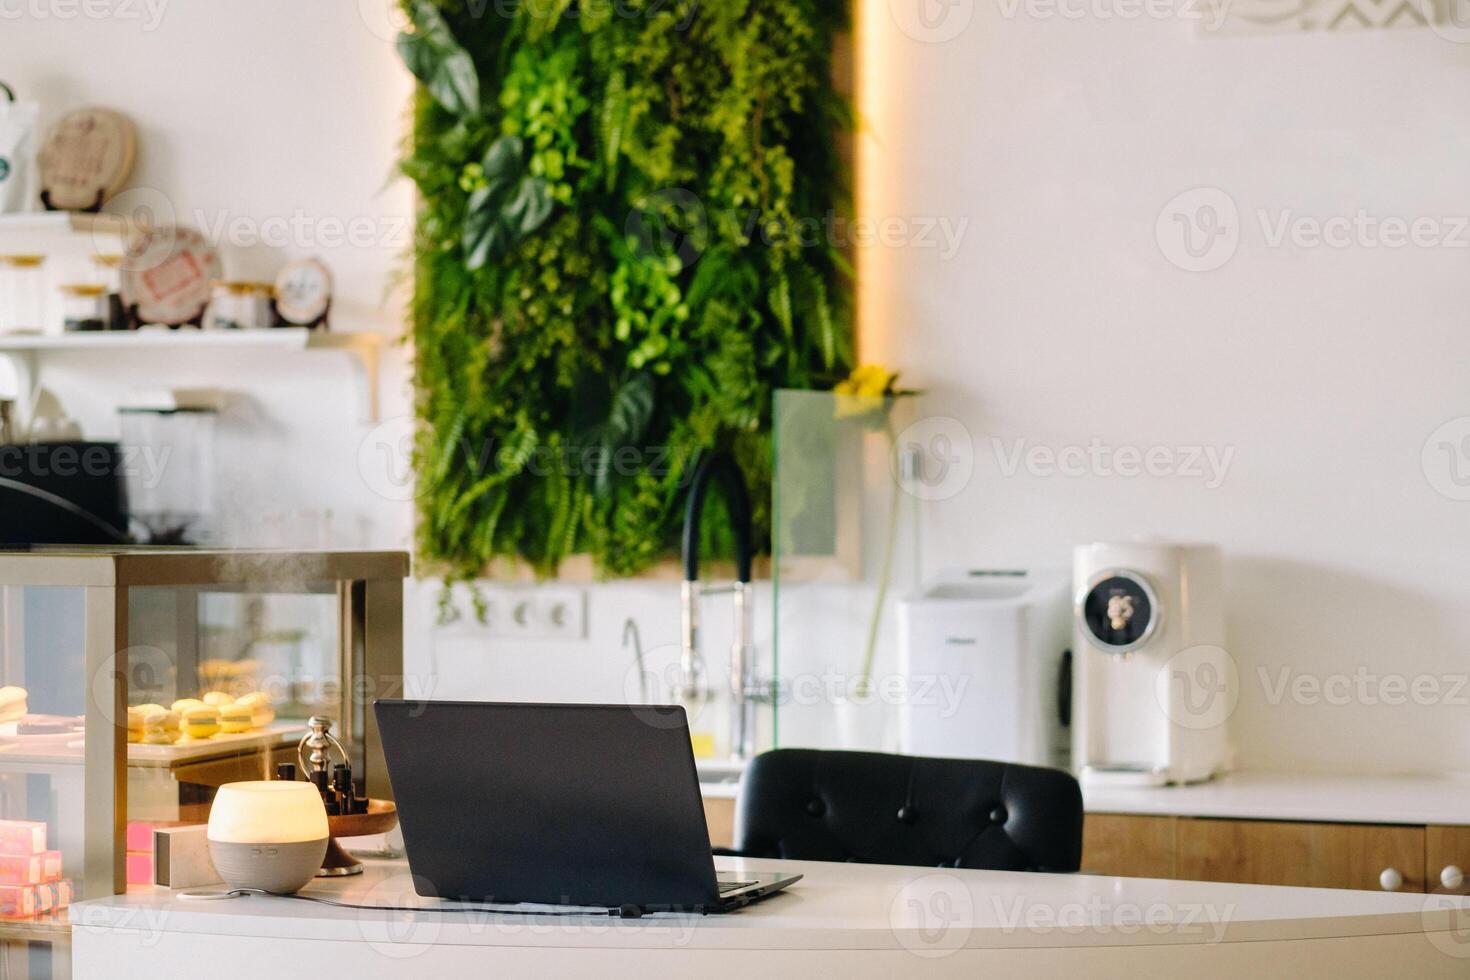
(1153,687)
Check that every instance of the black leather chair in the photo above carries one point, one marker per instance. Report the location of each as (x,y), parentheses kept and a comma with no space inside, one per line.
(871,808)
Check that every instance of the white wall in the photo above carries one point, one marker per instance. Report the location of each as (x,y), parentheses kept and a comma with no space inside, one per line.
(1061,320)
(273,127)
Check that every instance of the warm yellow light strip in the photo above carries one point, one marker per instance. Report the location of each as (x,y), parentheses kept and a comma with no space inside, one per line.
(872,30)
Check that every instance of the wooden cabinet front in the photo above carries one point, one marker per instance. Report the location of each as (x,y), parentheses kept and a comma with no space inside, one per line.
(1128,846)
(1446,857)
(719,813)
(1317,855)
(1251,852)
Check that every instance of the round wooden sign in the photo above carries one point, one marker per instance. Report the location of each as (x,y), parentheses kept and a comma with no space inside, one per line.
(303,291)
(167,274)
(86,158)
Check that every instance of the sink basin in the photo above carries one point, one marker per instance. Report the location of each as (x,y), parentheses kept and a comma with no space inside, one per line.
(719,779)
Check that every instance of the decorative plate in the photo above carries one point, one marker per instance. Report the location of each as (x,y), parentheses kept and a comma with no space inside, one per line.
(167,274)
(303,291)
(88,153)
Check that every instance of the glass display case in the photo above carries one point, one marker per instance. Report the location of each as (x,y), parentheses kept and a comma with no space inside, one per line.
(135,682)
(845,537)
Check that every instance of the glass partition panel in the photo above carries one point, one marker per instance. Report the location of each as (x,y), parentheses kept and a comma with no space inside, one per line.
(846,546)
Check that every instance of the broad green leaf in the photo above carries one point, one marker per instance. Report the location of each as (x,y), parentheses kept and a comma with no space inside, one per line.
(482,231)
(502,163)
(436,59)
(627,420)
(507,208)
(527,210)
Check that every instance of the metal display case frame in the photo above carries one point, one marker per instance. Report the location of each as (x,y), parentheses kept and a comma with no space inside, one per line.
(368,586)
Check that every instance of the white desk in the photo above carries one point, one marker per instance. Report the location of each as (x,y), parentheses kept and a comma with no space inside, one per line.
(842,920)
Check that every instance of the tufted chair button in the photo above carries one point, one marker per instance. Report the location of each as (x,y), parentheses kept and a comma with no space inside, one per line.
(998,815)
(906,814)
(815,808)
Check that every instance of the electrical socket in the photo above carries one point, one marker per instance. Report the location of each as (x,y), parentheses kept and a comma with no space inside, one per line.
(545,612)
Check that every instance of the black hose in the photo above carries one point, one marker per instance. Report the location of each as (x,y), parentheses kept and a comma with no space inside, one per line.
(722,467)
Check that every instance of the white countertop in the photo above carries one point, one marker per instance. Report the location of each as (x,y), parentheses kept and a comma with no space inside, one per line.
(1428,798)
(720,791)
(835,907)
(1257,795)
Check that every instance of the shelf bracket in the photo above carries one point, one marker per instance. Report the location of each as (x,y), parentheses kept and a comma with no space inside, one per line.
(367,355)
(19,372)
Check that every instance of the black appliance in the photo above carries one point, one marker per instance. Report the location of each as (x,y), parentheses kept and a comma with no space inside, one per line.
(62,493)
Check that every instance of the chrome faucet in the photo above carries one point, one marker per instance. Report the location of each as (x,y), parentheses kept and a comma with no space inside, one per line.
(745,689)
(632,637)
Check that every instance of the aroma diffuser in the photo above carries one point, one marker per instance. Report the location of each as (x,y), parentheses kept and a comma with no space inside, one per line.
(269,836)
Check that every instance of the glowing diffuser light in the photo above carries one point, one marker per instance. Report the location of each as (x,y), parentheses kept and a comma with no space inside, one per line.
(270,836)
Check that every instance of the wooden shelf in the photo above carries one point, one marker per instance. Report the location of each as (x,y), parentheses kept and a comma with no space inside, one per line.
(62,223)
(66,233)
(51,927)
(288,338)
(364,347)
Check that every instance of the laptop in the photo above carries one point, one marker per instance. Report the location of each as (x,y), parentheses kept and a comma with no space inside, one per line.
(556,804)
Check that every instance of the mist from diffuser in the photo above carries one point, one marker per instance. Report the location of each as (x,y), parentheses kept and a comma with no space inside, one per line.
(270,836)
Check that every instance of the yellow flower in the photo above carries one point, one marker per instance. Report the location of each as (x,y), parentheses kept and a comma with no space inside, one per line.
(862,391)
(868,380)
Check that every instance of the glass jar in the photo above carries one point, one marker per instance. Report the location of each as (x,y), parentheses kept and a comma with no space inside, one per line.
(109,274)
(23,294)
(239,306)
(84,308)
(176,504)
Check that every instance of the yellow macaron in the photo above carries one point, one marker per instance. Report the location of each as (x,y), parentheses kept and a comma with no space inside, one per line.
(201,722)
(136,717)
(236,718)
(218,699)
(184,704)
(261,712)
(161,720)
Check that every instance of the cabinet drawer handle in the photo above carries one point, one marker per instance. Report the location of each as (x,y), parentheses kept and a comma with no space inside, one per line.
(1390,880)
(1451,877)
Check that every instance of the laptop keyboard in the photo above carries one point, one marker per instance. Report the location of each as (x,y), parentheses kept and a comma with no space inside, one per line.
(726,887)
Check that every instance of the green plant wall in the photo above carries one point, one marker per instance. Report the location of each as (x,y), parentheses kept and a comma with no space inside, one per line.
(628,238)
